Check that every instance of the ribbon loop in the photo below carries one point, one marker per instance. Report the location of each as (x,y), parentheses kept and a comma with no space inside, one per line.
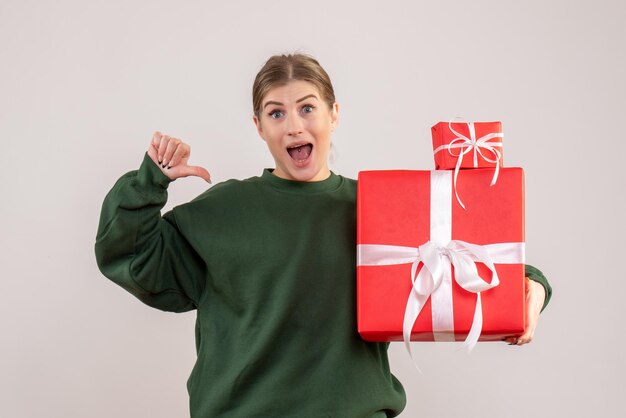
(476,145)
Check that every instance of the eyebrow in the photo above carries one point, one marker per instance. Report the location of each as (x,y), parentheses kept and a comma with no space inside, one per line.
(297,101)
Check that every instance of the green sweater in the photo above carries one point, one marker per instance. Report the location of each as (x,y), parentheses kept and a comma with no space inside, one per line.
(270,265)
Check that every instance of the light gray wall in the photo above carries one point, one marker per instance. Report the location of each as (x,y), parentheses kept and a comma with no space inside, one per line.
(84,84)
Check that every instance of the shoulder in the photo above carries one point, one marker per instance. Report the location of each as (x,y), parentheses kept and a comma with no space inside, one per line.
(223,194)
(227,188)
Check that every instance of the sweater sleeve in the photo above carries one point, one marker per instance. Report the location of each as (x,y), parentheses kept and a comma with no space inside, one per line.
(535,274)
(141,251)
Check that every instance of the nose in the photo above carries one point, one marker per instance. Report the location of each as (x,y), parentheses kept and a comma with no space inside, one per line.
(294,124)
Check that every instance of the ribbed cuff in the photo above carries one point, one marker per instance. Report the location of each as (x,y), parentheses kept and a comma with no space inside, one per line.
(150,174)
(535,274)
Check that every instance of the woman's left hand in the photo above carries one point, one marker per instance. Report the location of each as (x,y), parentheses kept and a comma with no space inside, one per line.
(535,296)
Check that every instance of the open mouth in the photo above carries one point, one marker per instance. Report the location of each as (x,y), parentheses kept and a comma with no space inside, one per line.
(300,152)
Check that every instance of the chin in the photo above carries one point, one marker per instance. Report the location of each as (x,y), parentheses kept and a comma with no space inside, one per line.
(301,173)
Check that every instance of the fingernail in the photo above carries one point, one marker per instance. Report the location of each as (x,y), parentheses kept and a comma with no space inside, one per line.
(160,159)
(169,166)
(209,181)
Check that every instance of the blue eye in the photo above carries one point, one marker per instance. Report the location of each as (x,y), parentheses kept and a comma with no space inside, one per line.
(273,114)
(308,107)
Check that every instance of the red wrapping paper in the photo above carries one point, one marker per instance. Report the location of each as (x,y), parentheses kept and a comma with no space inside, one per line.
(442,135)
(393,208)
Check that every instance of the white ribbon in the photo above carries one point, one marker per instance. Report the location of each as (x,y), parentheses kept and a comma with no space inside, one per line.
(477,145)
(437,261)
(438,255)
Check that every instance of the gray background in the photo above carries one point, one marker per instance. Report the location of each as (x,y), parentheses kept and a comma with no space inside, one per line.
(84,85)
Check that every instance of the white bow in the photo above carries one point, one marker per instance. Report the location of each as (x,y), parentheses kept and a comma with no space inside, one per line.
(477,145)
(437,260)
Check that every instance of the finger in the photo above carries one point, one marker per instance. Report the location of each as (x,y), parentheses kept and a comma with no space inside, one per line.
(169,150)
(181,152)
(165,139)
(154,146)
(525,338)
(196,171)
(156,140)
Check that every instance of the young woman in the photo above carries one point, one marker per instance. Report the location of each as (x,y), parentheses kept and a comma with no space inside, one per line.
(269,263)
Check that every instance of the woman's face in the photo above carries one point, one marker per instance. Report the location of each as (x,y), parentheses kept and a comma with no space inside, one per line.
(296,124)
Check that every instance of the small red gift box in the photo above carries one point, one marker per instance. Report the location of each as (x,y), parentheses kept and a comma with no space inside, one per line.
(432,270)
(467,145)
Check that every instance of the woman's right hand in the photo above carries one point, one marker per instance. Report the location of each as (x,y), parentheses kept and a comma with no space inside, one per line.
(171,156)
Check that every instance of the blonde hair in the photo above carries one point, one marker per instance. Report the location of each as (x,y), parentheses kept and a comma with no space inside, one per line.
(280,69)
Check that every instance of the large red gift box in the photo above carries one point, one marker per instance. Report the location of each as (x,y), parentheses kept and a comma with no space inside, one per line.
(401,214)
(467,145)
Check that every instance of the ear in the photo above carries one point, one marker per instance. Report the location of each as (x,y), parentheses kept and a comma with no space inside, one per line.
(334,115)
(259,128)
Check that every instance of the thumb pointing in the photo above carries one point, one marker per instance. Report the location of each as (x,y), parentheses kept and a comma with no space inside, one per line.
(196,171)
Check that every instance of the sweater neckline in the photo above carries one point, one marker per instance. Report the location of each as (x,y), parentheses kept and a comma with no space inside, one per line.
(331,183)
